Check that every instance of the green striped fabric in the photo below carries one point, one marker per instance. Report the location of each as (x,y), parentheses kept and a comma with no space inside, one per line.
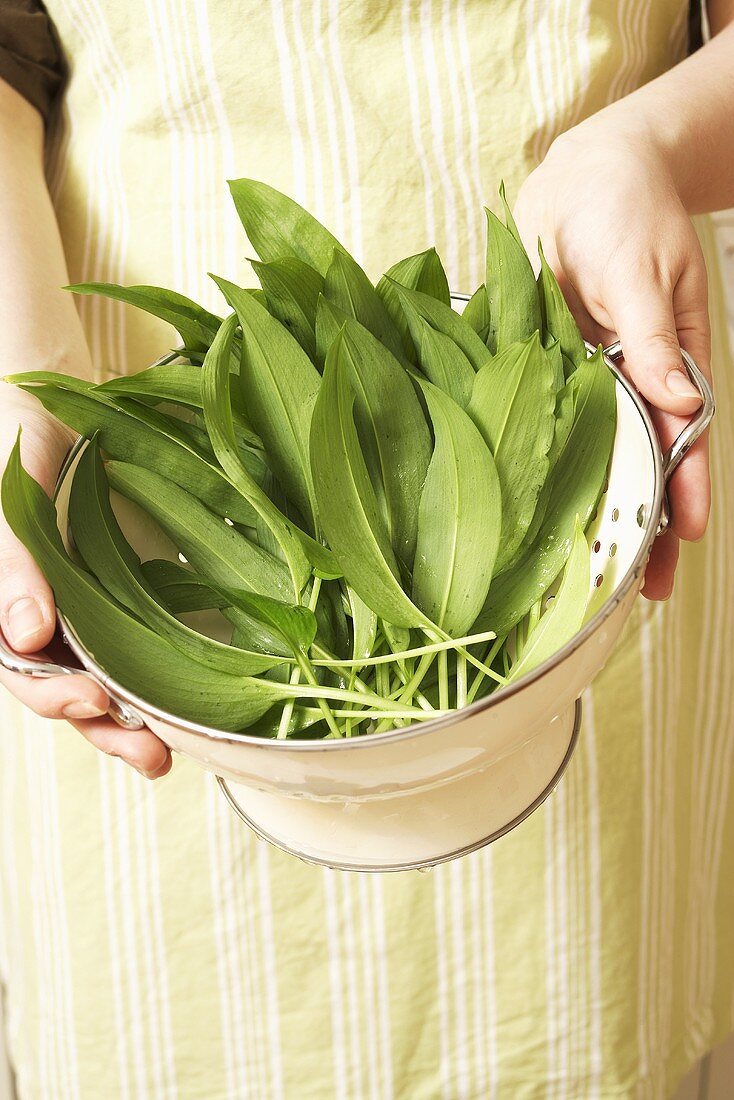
(149,945)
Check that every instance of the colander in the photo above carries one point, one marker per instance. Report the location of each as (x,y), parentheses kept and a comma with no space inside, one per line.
(424,794)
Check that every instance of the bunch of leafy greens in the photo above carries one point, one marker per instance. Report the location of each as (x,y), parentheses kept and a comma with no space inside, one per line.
(376,492)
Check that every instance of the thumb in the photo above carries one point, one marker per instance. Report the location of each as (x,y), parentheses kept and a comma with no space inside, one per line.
(27,609)
(646,324)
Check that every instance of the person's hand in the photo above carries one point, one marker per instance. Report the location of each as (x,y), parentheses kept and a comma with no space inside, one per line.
(27,610)
(624,250)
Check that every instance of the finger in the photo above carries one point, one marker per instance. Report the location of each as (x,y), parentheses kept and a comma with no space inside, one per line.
(73,696)
(27,611)
(141,749)
(661,567)
(689,489)
(646,324)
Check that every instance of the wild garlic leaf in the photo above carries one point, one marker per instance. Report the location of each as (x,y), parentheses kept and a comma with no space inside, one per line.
(104,549)
(513,297)
(348,509)
(180,384)
(442,319)
(218,417)
(423,272)
(277,226)
(393,433)
(127,437)
(442,362)
(458,521)
(196,326)
(330,321)
(565,404)
(347,286)
(513,405)
(364,626)
(130,652)
(295,625)
(212,547)
(577,482)
(555,355)
(558,321)
(179,588)
(476,313)
(565,616)
(279,386)
(292,289)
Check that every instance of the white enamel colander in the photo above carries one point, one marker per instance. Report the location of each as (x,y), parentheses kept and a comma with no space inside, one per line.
(427,793)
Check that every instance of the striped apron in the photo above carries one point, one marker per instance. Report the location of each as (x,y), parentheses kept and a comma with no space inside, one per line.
(149,945)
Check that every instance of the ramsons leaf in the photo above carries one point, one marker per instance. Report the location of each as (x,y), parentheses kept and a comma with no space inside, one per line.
(459,519)
(196,326)
(131,653)
(348,510)
(513,404)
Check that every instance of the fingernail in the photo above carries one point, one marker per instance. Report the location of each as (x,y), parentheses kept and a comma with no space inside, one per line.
(25,620)
(81,709)
(680,384)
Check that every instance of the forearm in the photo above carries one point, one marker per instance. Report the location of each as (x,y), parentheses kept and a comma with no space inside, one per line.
(39,322)
(686,118)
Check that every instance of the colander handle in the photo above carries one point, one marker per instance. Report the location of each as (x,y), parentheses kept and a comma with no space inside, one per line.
(696,426)
(28,665)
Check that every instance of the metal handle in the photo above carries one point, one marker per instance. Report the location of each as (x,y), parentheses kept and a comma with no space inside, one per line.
(695,427)
(28,665)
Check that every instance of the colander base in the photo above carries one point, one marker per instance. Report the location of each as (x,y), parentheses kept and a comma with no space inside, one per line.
(406,833)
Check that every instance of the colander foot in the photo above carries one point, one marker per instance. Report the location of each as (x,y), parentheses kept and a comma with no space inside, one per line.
(408,832)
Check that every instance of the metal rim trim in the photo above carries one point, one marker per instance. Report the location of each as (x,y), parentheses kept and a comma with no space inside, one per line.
(425,863)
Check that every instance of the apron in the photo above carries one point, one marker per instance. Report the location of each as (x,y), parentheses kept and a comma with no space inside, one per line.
(150,946)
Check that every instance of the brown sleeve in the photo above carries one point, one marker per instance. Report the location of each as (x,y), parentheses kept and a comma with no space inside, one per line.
(31,57)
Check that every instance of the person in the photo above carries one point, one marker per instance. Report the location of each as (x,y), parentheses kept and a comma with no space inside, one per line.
(149,946)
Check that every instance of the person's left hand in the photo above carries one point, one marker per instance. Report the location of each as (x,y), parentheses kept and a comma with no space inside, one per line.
(624,250)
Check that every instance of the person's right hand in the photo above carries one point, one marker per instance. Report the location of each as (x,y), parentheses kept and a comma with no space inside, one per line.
(27,610)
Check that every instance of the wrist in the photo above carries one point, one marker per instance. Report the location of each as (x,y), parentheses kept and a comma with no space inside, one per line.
(622,132)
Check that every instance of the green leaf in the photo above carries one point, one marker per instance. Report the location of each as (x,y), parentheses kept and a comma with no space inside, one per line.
(513,296)
(130,652)
(103,546)
(212,547)
(565,616)
(557,319)
(218,417)
(423,272)
(565,405)
(578,480)
(442,362)
(393,433)
(292,289)
(279,387)
(180,589)
(443,319)
(459,519)
(513,405)
(347,286)
(330,321)
(348,508)
(364,626)
(277,226)
(132,439)
(179,384)
(294,624)
(196,326)
(476,313)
